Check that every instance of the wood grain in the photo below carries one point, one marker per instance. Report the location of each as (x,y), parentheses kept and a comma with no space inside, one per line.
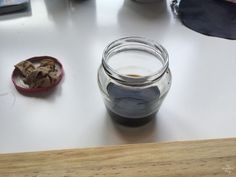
(175,159)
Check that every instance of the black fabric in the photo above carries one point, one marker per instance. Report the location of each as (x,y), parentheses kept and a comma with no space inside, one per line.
(210,17)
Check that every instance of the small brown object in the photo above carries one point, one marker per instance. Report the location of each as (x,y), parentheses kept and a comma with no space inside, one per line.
(53,76)
(49,63)
(25,67)
(43,82)
(38,78)
(42,76)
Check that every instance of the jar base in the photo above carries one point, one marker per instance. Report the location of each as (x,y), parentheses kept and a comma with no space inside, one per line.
(131,122)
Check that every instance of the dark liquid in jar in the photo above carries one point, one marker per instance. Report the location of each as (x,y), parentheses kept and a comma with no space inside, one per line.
(132,106)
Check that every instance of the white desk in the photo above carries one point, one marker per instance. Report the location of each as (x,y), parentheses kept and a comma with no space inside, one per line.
(201,103)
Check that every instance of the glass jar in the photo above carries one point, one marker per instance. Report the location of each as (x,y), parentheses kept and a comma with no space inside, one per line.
(134,78)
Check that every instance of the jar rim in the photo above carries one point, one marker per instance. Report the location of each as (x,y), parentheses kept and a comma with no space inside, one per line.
(144,42)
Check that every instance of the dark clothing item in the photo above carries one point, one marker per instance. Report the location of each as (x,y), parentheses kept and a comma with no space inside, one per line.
(210,17)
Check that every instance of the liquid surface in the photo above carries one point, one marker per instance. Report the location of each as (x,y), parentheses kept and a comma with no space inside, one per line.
(134,75)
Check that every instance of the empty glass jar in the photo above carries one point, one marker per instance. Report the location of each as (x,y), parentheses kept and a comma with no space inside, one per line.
(134,78)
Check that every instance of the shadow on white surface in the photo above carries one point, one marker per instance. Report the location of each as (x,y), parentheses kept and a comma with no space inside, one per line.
(144,19)
(62,12)
(58,11)
(147,11)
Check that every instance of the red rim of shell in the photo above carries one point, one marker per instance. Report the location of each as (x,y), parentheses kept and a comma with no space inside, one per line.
(42,89)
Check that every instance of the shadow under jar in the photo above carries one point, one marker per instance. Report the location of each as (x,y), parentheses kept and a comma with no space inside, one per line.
(134,79)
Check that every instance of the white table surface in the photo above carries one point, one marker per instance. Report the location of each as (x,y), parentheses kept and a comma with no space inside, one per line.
(201,103)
